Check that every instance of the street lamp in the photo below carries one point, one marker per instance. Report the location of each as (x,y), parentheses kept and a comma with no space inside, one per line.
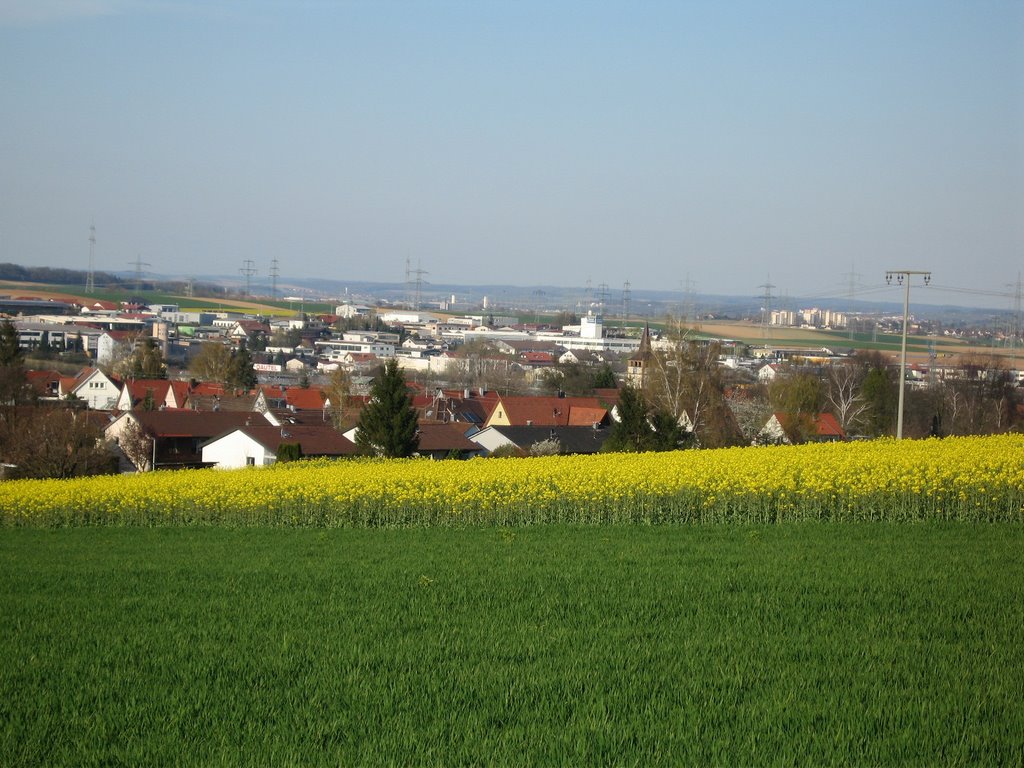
(903,278)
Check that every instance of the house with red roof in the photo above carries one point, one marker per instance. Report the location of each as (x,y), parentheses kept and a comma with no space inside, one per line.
(101,306)
(214,396)
(793,428)
(547,411)
(45,384)
(161,393)
(306,399)
(92,386)
(537,359)
(248,330)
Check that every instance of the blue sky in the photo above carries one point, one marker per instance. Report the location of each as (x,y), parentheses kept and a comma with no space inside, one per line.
(522,142)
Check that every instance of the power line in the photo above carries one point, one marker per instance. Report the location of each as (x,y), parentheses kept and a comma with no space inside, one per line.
(627,296)
(90,277)
(248,269)
(689,303)
(602,296)
(274,274)
(1015,327)
(854,278)
(419,272)
(766,310)
(538,295)
(139,264)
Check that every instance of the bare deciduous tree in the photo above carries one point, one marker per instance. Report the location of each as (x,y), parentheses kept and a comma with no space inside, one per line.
(843,394)
(137,445)
(683,376)
(53,442)
(338,391)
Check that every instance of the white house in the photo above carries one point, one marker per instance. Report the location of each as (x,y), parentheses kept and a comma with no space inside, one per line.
(767,373)
(92,386)
(257,446)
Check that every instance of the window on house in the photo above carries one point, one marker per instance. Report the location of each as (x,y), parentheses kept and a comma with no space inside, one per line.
(250,461)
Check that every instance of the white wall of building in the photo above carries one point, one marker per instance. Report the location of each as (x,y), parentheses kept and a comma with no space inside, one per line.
(235,450)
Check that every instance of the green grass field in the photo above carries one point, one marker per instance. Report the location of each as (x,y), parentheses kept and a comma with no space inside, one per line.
(860,644)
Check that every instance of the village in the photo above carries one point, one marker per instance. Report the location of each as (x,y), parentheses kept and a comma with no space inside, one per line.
(171,388)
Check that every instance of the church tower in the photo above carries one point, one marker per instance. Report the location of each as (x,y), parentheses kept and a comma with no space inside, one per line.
(636,366)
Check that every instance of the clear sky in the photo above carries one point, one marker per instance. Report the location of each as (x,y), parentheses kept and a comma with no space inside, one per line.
(526,142)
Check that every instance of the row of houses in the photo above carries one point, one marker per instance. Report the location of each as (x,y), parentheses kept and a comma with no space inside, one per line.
(426,343)
(200,424)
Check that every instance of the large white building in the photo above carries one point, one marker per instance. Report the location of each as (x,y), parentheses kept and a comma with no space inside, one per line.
(814,317)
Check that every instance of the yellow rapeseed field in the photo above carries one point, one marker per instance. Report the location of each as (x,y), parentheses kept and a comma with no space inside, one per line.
(970,478)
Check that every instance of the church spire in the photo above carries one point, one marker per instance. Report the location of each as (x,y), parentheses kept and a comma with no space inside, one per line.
(637,364)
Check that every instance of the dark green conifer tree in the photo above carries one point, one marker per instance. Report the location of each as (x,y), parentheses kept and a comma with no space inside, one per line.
(241,374)
(388,425)
(632,432)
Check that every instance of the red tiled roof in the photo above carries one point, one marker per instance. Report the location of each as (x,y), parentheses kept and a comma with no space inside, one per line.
(544,411)
(253,325)
(139,388)
(305,398)
(212,388)
(824,424)
(586,417)
(828,426)
(44,382)
(538,357)
(122,335)
(272,390)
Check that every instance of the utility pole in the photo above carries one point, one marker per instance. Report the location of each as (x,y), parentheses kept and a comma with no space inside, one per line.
(903,278)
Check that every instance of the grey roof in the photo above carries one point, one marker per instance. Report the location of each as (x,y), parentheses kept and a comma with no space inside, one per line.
(573,439)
